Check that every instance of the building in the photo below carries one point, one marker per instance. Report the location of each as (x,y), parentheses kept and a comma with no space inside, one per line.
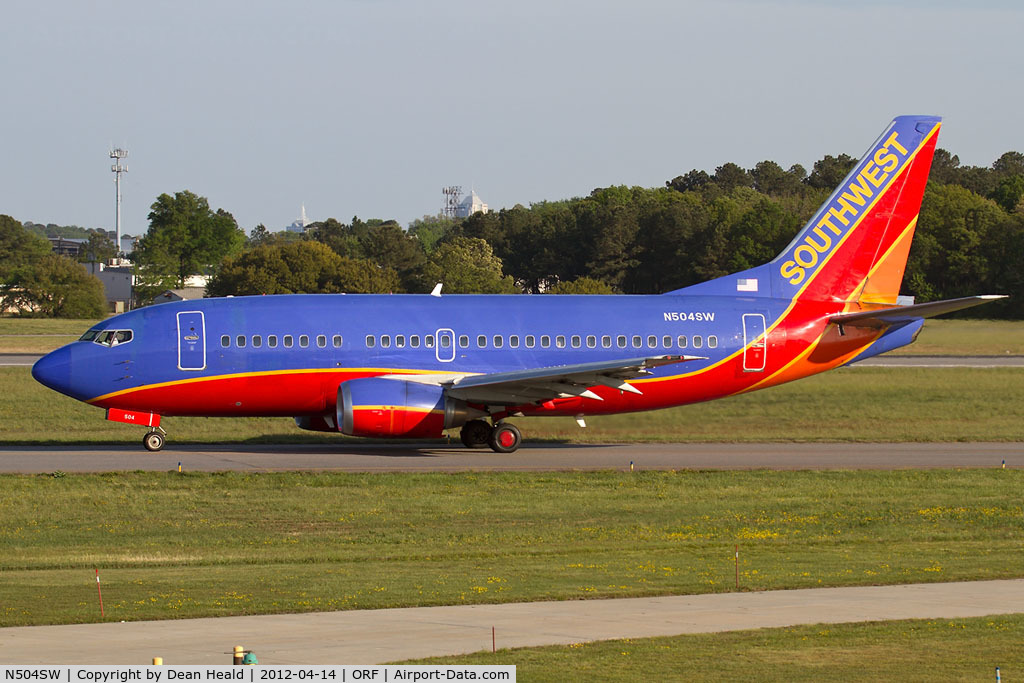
(182,294)
(469,205)
(301,224)
(67,246)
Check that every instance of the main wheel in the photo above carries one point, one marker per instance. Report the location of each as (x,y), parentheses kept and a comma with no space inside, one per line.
(505,438)
(153,441)
(475,434)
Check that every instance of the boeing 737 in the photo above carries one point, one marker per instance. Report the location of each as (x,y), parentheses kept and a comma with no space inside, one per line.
(415,365)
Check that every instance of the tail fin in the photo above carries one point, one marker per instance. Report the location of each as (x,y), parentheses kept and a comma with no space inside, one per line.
(855,247)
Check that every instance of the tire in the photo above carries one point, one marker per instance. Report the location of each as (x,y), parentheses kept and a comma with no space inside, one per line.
(475,434)
(505,438)
(153,441)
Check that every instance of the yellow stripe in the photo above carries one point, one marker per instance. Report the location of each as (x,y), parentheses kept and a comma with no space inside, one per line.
(268,373)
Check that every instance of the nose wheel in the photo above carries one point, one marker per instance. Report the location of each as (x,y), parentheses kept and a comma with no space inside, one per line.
(154,440)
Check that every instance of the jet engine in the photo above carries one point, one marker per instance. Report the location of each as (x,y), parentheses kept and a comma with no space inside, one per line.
(374,406)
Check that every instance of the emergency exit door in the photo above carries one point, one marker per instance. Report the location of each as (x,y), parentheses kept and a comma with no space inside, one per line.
(754,342)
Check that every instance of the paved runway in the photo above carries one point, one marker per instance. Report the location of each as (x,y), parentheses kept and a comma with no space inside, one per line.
(430,457)
(390,635)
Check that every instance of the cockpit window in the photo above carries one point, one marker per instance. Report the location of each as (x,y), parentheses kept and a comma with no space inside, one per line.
(107,337)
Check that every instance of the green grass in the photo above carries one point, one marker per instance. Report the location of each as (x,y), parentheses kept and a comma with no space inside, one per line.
(852,404)
(175,546)
(939,337)
(968,338)
(911,650)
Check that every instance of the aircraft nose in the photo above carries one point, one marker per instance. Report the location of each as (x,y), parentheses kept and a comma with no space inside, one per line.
(54,370)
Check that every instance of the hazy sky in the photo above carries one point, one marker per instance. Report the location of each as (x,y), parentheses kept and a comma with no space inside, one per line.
(369,107)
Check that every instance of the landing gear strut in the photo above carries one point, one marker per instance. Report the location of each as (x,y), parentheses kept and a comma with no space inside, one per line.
(503,437)
(154,440)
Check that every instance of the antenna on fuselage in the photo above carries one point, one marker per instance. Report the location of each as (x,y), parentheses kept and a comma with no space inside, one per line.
(437,289)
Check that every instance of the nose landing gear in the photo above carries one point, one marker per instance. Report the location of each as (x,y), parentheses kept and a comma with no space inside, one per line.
(154,440)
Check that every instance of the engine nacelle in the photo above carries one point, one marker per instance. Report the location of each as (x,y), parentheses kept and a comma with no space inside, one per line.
(374,406)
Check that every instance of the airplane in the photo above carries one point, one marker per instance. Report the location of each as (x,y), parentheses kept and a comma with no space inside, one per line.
(415,365)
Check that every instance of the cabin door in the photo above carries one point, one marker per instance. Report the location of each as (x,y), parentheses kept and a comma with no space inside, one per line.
(191,340)
(444,345)
(754,346)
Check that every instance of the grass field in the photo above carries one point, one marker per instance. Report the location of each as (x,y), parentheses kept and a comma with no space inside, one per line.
(912,650)
(939,337)
(853,404)
(175,546)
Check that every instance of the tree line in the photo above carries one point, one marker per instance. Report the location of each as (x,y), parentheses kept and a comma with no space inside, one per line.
(632,240)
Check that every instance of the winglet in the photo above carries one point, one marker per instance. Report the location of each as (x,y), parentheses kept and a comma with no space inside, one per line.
(437,289)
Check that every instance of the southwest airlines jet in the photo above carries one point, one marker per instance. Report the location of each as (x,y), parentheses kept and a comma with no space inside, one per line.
(415,365)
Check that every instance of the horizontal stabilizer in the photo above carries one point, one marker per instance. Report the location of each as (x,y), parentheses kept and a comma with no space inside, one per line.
(884,317)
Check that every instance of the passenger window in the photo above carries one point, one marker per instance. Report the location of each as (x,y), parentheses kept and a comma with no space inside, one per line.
(321,340)
(446,341)
(336,341)
(591,341)
(463,341)
(697,341)
(370,341)
(225,341)
(481,341)
(681,341)
(712,342)
(303,340)
(638,341)
(530,341)
(560,341)
(428,341)
(240,341)
(272,341)
(385,341)
(288,341)
(414,341)
(400,341)
(606,341)
(513,341)
(652,342)
(666,341)
(257,341)
(575,341)
(620,341)
(545,341)
(498,341)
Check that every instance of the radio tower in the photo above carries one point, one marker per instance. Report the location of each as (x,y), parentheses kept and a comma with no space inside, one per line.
(118,169)
(451,200)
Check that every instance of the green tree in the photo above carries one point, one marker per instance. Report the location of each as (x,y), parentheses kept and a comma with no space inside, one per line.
(186,238)
(55,286)
(1009,192)
(98,248)
(467,265)
(583,285)
(18,247)
(299,267)
(729,176)
(830,171)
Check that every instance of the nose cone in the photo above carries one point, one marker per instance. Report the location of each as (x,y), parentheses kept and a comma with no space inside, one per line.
(54,370)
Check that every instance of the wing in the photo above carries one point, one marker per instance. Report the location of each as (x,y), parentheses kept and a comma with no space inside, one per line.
(884,317)
(543,384)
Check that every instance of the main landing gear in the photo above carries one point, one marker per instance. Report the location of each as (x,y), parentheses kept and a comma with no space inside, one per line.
(503,437)
(154,440)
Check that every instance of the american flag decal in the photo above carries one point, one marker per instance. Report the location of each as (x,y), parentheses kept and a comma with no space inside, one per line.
(746,284)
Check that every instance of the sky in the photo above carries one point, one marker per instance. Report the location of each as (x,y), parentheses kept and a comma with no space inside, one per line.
(369,107)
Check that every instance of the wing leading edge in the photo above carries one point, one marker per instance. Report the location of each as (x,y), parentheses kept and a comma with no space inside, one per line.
(544,384)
